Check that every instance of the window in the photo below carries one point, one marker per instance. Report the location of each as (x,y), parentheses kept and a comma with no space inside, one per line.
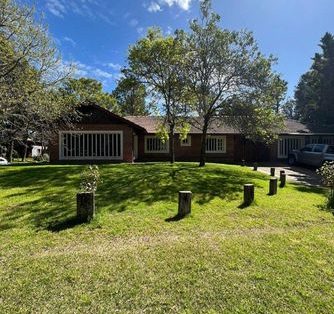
(307,148)
(186,142)
(81,145)
(216,144)
(319,148)
(330,150)
(154,144)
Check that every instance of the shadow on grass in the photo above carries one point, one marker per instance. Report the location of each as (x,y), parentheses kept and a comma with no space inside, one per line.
(44,196)
(175,218)
(63,225)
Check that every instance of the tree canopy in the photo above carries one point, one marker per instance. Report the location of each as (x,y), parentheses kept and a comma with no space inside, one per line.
(86,90)
(30,73)
(130,95)
(315,91)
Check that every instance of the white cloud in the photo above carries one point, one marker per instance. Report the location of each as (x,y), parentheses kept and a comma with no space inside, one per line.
(102,74)
(56,7)
(70,40)
(183,4)
(92,9)
(86,70)
(114,66)
(133,22)
(154,7)
(140,30)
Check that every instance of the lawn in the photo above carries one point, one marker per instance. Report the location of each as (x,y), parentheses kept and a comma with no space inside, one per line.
(276,256)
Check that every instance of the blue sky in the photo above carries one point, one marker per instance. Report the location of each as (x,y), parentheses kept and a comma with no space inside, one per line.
(96,34)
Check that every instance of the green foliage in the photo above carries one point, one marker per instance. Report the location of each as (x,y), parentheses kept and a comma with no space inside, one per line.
(288,109)
(183,130)
(30,73)
(229,77)
(327,174)
(158,61)
(90,178)
(85,90)
(315,91)
(130,95)
(162,133)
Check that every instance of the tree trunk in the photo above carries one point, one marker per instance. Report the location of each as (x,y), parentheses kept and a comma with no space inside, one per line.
(172,143)
(10,151)
(24,156)
(203,144)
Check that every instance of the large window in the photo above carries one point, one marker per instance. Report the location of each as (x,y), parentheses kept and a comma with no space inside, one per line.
(216,144)
(186,142)
(81,145)
(154,144)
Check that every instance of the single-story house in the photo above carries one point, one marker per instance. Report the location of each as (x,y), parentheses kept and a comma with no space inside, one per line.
(101,135)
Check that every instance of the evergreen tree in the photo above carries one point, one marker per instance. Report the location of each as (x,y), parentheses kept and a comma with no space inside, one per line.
(131,97)
(315,91)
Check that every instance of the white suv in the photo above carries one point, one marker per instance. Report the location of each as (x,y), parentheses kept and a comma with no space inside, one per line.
(312,154)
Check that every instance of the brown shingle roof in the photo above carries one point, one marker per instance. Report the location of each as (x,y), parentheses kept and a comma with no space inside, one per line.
(151,124)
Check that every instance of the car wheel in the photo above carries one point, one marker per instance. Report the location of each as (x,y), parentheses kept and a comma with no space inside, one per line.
(292,160)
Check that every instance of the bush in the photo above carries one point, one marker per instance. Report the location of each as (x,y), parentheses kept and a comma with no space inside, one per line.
(46,157)
(90,178)
(327,174)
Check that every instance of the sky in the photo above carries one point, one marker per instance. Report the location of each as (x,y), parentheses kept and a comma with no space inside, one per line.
(95,34)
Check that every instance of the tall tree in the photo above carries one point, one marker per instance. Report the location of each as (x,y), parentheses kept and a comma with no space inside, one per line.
(288,109)
(157,61)
(226,68)
(30,71)
(86,90)
(315,91)
(130,95)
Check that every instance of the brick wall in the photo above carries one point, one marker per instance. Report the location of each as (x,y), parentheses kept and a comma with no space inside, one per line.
(188,153)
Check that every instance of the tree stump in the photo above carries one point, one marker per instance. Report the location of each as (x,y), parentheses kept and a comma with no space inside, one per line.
(283,180)
(273,186)
(184,203)
(85,206)
(272,172)
(255,166)
(248,194)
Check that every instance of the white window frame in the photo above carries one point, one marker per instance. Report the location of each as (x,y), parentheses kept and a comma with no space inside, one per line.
(93,133)
(188,143)
(217,137)
(287,143)
(165,151)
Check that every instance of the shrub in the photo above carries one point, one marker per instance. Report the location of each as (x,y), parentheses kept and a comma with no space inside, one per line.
(327,174)
(90,178)
(46,157)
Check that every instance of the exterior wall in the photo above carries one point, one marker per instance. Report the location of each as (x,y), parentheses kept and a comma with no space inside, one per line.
(127,139)
(188,153)
(250,151)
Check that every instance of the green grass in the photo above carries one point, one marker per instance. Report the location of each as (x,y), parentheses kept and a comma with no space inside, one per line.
(276,256)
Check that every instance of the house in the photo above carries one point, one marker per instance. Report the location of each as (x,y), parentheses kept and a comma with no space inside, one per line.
(101,135)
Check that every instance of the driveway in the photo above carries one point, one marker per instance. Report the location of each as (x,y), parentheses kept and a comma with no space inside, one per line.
(295,174)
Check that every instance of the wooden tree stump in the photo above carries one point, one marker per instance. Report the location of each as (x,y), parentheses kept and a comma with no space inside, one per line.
(85,206)
(184,203)
(283,180)
(273,186)
(272,172)
(248,194)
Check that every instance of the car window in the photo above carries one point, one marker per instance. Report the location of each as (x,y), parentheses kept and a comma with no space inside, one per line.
(307,148)
(330,150)
(319,148)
